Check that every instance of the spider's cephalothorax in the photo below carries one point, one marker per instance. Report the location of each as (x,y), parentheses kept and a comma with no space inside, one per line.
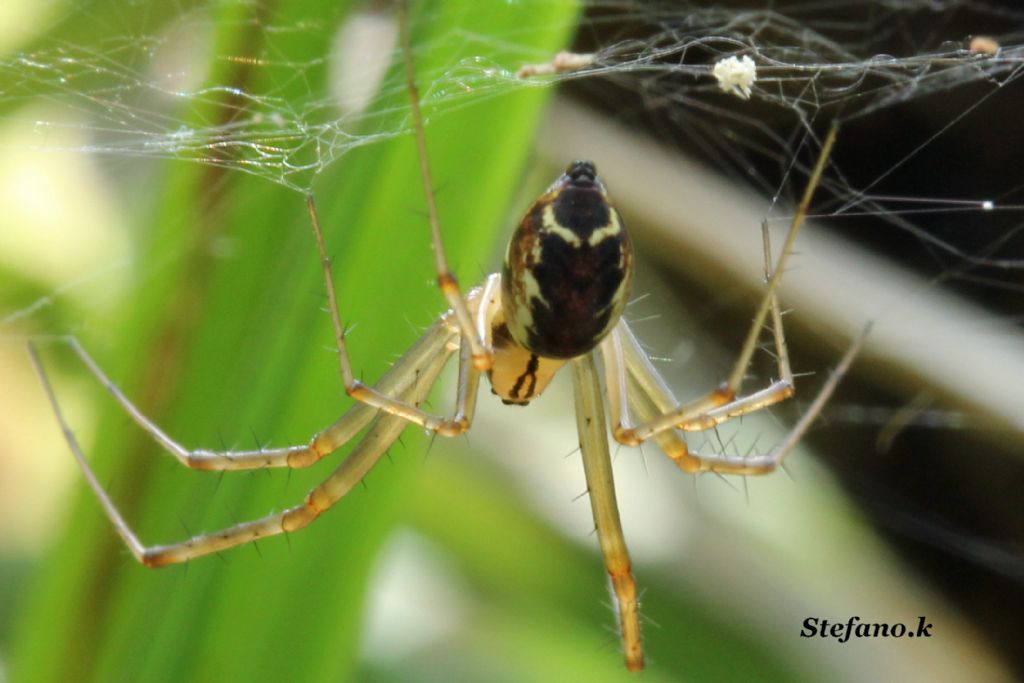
(568,268)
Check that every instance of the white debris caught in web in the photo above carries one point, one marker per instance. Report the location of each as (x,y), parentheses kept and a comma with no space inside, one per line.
(736,75)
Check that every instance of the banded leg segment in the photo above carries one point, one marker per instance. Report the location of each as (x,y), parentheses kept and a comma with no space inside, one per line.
(597,465)
(417,381)
(647,396)
(480,353)
(478,357)
(372,396)
(722,403)
(394,382)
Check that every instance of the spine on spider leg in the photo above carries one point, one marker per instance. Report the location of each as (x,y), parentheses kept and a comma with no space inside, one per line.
(750,343)
(597,466)
(446,281)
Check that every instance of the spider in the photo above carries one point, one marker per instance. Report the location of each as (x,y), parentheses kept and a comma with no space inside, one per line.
(557,301)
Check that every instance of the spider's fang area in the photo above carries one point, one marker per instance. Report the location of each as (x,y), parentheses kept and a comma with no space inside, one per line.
(518,376)
(568,268)
(531,374)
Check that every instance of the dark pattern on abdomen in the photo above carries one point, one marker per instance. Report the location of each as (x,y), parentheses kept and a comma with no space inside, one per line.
(578,287)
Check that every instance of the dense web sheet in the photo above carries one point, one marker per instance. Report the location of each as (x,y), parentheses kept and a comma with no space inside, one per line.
(149,94)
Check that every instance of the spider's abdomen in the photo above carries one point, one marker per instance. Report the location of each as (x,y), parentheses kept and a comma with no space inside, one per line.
(567,269)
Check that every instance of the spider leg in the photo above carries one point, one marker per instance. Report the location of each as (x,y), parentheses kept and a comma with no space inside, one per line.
(396,381)
(646,402)
(469,372)
(763,463)
(626,364)
(478,357)
(597,466)
(627,391)
(481,354)
(769,299)
(417,381)
(706,412)
(775,392)
(722,403)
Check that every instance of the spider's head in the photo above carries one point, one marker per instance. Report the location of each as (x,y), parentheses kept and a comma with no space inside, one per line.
(581,174)
(580,181)
(579,200)
(568,268)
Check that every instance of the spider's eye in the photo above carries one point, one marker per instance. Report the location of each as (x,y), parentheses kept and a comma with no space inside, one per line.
(581,173)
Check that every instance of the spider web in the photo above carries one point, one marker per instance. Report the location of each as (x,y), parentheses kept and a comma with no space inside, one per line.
(136,89)
(144,88)
(140,95)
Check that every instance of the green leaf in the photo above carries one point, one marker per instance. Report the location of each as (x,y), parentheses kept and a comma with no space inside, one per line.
(224,345)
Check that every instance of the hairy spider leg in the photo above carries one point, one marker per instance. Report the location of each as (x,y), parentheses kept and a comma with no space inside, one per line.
(648,397)
(412,377)
(481,352)
(469,372)
(395,382)
(722,403)
(480,357)
(597,467)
